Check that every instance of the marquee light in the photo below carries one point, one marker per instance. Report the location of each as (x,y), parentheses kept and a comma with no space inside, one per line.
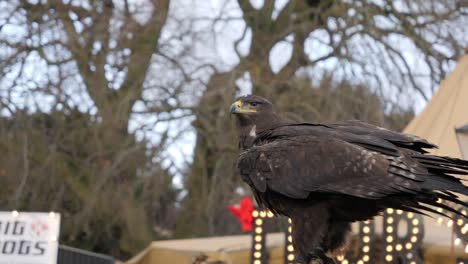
(396,249)
(460,228)
(457,223)
(258,255)
(289,256)
(402,249)
(366,245)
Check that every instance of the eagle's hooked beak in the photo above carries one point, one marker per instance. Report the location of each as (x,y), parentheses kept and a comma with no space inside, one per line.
(237,108)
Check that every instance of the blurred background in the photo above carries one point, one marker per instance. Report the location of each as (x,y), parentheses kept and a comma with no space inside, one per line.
(115,113)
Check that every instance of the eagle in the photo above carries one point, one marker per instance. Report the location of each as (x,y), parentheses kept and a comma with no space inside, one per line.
(326,176)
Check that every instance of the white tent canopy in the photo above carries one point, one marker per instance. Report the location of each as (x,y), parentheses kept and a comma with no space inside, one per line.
(445,112)
(444,122)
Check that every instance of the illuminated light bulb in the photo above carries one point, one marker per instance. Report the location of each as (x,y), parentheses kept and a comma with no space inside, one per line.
(439,200)
(449,223)
(290,239)
(415,221)
(270,214)
(365,249)
(439,210)
(290,257)
(360,262)
(390,220)
(415,230)
(389,258)
(390,211)
(408,246)
(366,239)
(255,213)
(440,220)
(457,241)
(399,212)
(460,222)
(257,262)
(289,229)
(15,213)
(414,239)
(345,261)
(463,212)
(413,262)
(389,239)
(465,226)
(389,248)
(367,222)
(464,229)
(258,230)
(398,247)
(258,246)
(340,258)
(410,215)
(257,255)
(290,248)
(262,214)
(365,258)
(366,229)
(258,238)
(389,229)
(258,221)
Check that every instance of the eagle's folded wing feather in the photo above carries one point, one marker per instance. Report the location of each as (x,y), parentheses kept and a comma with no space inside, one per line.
(296,166)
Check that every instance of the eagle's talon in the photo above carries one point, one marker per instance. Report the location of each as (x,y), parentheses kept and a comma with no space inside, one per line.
(316,260)
(319,260)
(318,256)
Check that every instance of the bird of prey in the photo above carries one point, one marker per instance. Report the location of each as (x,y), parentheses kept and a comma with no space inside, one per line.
(326,176)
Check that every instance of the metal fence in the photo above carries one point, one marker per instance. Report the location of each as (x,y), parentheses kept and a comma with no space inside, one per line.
(70,255)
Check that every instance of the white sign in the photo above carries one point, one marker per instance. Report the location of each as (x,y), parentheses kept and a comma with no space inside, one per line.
(29,238)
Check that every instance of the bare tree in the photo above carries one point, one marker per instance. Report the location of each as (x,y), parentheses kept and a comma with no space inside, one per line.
(74,75)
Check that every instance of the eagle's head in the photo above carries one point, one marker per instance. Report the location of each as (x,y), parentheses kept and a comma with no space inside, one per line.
(250,106)
(254,114)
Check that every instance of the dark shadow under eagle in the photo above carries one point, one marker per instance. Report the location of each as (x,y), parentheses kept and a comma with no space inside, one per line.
(325,176)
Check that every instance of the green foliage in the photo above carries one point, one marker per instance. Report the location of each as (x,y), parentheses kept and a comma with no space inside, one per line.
(98,178)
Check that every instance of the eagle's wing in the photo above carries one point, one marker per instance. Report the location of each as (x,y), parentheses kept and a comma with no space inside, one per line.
(299,159)
(409,141)
(296,166)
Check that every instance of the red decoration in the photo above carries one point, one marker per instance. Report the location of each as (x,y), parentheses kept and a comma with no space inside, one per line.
(243,213)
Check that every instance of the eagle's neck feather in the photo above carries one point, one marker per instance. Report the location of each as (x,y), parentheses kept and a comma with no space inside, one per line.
(249,129)
(247,137)
(253,131)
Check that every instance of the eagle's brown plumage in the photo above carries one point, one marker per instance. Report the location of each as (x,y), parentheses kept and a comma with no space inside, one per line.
(326,176)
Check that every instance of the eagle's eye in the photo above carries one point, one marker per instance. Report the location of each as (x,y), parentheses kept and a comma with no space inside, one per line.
(253,103)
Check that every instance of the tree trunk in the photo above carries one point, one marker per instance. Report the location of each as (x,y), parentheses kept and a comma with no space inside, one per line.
(212,179)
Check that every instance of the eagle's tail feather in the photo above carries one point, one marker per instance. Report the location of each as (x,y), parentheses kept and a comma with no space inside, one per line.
(428,201)
(444,183)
